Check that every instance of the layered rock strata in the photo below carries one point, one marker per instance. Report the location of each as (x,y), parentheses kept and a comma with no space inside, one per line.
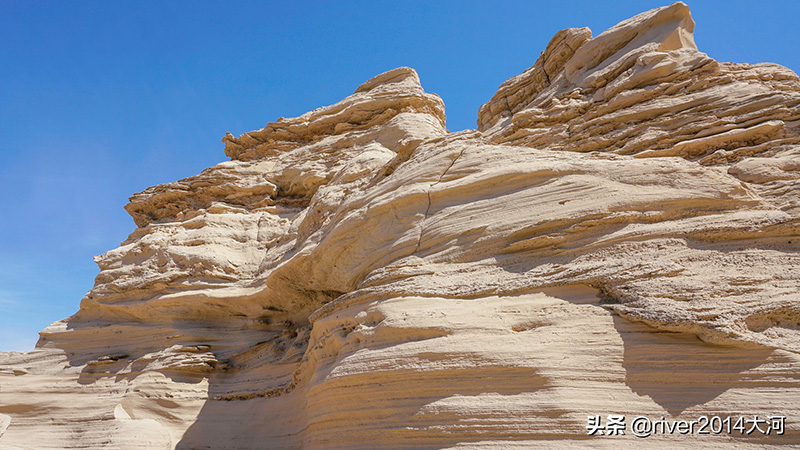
(620,235)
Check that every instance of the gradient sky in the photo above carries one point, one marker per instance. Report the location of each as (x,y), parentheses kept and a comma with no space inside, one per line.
(99,100)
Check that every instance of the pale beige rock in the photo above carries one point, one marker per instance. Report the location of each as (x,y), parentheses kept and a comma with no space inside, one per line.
(619,235)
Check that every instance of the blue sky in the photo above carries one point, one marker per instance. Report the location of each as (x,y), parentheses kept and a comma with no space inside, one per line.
(99,100)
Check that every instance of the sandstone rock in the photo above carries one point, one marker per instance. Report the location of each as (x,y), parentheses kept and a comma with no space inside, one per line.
(618,236)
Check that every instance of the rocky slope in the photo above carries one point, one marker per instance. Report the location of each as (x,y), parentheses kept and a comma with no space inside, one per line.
(620,235)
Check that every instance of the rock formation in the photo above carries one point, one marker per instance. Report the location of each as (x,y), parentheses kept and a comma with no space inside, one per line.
(620,235)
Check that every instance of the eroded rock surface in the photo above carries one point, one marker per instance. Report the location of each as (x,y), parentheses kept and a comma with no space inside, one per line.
(620,235)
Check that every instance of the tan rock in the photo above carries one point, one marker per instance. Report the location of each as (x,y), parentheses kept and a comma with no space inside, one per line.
(618,236)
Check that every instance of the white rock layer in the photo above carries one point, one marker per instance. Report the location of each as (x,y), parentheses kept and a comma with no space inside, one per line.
(620,235)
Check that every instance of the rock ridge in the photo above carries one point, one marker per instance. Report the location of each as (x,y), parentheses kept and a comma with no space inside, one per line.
(373,104)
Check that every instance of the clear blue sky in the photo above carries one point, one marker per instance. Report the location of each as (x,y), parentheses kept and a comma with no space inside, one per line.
(99,100)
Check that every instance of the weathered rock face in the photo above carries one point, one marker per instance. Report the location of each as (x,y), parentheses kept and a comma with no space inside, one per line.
(358,277)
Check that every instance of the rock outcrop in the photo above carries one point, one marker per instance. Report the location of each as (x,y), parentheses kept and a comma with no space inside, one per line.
(620,235)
